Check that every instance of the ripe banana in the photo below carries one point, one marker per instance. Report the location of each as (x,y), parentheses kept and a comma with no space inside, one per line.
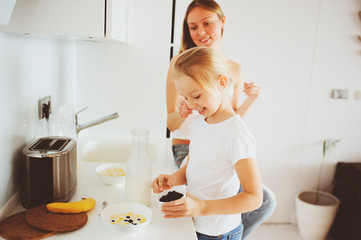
(72,207)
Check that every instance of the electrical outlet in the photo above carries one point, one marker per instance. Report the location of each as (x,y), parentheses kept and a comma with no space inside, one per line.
(339,93)
(44,107)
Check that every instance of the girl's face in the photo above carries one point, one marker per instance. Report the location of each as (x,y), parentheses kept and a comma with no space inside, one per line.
(205,101)
(205,28)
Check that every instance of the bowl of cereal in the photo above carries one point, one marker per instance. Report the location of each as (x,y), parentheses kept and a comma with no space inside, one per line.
(126,218)
(112,174)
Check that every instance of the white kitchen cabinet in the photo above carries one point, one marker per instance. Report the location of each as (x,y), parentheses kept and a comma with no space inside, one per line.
(6,9)
(98,19)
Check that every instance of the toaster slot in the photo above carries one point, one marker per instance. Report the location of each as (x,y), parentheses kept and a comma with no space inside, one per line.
(59,145)
(42,144)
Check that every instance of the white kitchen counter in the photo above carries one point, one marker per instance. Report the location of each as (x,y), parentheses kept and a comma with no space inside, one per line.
(89,185)
(158,229)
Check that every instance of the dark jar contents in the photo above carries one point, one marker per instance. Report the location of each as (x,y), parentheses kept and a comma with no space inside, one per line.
(171,196)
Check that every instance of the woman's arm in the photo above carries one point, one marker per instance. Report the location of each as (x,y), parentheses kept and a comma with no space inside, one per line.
(248,200)
(250,89)
(176,116)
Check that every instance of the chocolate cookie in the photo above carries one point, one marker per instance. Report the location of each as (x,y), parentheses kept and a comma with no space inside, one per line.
(41,218)
(16,227)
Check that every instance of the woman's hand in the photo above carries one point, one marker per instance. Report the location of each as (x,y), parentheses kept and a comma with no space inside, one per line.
(183,109)
(162,182)
(189,206)
(252,90)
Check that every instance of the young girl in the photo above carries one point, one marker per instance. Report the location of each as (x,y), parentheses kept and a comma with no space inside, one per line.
(221,155)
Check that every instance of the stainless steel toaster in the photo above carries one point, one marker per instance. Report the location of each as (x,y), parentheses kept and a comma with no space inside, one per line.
(48,171)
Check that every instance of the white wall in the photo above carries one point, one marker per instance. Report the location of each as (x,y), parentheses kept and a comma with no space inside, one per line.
(31,67)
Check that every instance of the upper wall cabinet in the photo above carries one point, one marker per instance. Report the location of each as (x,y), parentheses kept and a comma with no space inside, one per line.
(97,19)
(6,9)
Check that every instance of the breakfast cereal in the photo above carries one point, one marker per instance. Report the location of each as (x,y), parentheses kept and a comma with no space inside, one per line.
(113,172)
(127,219)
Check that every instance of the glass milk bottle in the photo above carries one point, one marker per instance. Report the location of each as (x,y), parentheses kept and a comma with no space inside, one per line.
(138,175)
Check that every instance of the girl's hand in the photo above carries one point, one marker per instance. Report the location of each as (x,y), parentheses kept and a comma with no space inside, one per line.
(162,182)
(252,90)
(189,206)
(183,109)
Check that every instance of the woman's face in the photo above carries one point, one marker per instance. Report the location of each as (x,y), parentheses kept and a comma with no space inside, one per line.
(205,28)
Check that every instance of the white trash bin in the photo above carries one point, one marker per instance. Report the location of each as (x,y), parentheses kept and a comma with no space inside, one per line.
(315,220)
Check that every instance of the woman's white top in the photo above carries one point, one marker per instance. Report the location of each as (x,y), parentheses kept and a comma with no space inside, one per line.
(214,150)
(184,131)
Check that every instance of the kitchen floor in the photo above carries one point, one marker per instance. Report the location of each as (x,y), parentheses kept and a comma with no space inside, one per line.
(277,232)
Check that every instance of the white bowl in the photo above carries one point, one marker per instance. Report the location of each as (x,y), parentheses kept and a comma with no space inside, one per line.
(180,189)
(126,208)
(111,180)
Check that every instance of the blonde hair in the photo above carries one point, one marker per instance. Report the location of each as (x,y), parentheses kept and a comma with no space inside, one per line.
(209,5)
(202,64)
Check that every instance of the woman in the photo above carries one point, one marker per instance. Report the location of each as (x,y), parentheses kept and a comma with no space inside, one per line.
(203,26)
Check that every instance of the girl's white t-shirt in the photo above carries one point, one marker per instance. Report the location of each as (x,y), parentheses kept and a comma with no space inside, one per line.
(214,150)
